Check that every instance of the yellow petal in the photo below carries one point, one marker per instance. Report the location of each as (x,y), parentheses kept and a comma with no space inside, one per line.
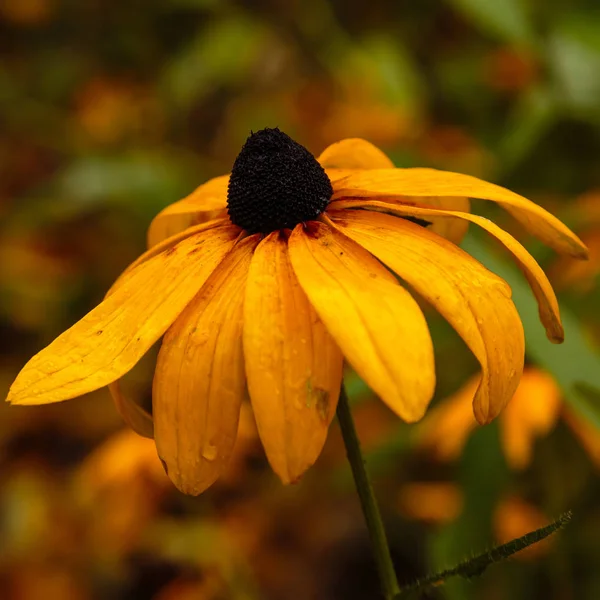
(354,153)
(377,324)
(205,203)
(542,289)
(452,229)
(199,381)
(110,340)
(474,301)
(430,182)
(131,412)
(168,243)
(293,366)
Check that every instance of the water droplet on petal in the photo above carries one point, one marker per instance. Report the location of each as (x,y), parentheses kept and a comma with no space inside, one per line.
(209,452)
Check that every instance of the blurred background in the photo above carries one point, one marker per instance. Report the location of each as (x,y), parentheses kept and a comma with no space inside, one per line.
(111,110)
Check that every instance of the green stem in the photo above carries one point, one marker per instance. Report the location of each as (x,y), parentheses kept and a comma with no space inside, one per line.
(379,543)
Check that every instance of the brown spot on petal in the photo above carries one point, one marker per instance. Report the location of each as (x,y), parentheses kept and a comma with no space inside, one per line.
(321,402)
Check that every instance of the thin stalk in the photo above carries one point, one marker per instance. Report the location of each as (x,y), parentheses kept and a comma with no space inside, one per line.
(379,543)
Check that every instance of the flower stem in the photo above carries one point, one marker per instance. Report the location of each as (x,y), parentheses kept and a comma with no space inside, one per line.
(379,543)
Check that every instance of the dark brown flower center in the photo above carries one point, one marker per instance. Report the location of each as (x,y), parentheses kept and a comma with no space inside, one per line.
(275,184)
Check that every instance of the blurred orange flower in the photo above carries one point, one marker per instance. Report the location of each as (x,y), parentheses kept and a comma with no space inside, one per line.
(432,501)
(582,276)
(107,110)
(510,69)
(532,413)
(285,282)
(27,12)
(513,518)
(451,147)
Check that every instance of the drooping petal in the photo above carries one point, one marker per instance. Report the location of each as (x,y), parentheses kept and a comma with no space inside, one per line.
(379,183)
(475,302)
(341,158)
(376,323)
(293,366)
(110,340)
(199,382)
(354,153)
(206,202)
(131,412)
(541,287)
(452,229)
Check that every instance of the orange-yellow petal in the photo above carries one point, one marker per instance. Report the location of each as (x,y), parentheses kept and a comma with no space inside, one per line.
(199,382)
(453,230)
(537,279)
(205,203)
(375,321)
(379,183)
(354,153)
(139,419)
(341,158)
(475,302)
(110,340)
(168,243)
(293,366)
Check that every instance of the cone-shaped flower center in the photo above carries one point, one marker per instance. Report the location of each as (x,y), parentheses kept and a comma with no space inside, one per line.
(275,184)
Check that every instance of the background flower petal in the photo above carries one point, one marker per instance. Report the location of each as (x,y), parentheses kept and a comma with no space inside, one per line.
(199,382)
(206,202)
(539,222)
(531,413)
(377,324)
(474,301)
(293,366)
(109,340)
(354,153)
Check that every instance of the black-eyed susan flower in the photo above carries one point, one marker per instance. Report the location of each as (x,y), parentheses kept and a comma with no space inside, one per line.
(265,279)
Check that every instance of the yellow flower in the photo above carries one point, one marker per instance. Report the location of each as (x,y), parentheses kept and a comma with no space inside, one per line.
(267,278)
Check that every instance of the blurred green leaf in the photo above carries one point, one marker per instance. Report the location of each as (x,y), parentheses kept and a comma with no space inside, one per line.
(574,364)
(143,182)
(506,20)
(397,72)
(223,52)
(356,388)
(532,116)
(483,474)
(574,54)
